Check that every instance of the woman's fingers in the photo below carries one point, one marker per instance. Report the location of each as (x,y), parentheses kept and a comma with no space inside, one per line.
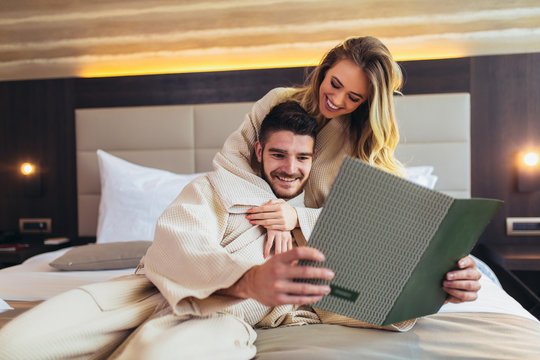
(264,209)
(463,285)
(459,296)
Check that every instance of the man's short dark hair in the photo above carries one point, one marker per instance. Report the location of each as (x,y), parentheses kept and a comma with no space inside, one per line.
(289,116)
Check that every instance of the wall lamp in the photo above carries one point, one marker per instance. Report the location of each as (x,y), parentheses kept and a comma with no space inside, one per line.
(528,168)
(31,178)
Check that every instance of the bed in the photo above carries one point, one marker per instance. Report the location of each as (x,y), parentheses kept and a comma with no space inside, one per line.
(148,153)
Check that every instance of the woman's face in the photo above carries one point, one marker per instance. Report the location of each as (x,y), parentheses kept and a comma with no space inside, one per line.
(345,86)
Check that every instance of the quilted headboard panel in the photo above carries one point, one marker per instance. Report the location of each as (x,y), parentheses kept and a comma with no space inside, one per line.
(435,130)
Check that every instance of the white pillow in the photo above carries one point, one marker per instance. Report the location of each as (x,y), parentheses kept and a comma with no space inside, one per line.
(133,197)
(421,175)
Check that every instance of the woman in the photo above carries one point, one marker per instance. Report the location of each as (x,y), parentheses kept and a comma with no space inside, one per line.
(350,93)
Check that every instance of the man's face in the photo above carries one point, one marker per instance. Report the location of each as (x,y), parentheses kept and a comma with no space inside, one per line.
(286,162)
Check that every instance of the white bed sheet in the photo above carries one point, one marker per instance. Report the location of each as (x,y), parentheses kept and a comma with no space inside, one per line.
(4,306)
(491,299)
(36,280)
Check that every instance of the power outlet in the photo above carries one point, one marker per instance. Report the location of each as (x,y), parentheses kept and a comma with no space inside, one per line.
(523,226)
(35,226)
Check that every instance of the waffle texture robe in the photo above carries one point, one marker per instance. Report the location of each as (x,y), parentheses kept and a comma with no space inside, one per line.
(204,243)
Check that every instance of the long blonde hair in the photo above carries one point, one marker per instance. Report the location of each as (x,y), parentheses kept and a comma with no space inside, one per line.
(373,127)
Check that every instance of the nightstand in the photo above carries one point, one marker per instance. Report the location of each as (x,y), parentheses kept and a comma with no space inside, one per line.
(35,246)
(516,257)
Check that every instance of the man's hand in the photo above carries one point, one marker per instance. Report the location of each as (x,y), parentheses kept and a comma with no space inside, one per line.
(272,283)
(276,214)
(463,285)
(282,241)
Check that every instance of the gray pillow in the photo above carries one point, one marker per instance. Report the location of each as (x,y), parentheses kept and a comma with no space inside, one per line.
(106,256)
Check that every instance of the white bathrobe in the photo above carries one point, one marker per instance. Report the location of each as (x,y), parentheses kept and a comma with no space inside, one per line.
(204,243)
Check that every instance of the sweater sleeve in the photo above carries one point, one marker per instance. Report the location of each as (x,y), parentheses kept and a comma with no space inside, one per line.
(186,261)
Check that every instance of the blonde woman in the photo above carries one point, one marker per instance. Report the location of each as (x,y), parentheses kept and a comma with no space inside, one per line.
(350,93)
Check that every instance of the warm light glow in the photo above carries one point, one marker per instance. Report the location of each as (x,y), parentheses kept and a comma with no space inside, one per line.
(27,168)
(530,159)
(168,66)
(224,59)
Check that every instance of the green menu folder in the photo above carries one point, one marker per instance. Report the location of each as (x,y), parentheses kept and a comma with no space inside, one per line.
(390,242)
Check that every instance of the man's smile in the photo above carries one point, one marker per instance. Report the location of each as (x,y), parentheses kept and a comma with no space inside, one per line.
(287,179)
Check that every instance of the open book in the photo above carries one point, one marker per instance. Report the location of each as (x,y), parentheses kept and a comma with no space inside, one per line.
(390,242)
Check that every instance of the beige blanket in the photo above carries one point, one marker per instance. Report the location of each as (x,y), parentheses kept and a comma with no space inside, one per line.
(439,336)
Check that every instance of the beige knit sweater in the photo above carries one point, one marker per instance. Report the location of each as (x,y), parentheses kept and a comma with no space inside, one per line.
(204,243)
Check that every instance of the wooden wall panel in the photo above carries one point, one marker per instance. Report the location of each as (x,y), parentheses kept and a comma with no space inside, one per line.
(436,76)
(505,108)
(213,87)
(38,125)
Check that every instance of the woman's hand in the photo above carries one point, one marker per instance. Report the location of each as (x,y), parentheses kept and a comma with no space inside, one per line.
(276,214)
(282,241)
(463,285)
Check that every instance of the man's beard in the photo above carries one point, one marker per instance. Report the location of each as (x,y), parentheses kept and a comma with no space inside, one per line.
(281,174)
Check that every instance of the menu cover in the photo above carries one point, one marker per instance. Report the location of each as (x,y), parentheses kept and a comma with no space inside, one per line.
(390,243)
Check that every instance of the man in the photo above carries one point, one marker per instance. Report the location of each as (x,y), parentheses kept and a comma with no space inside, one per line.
(224,281)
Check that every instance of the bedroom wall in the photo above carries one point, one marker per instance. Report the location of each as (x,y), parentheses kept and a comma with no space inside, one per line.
(505,113)
(37,123)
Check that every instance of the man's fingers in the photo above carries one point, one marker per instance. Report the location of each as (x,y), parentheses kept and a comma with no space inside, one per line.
(285,243)
(277,244)
(281,246)
(301,253)
(309,272)
(300,288)
(268,245)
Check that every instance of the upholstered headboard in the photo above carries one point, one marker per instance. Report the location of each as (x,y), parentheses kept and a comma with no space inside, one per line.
(435,130)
